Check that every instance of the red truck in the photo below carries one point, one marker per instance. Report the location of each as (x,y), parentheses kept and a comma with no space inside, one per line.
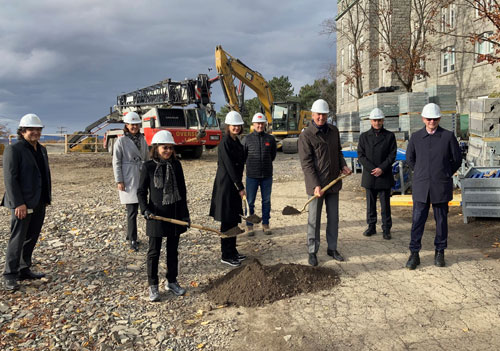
(184,108)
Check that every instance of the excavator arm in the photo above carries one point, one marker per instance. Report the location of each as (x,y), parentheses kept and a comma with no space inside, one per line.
(229,67)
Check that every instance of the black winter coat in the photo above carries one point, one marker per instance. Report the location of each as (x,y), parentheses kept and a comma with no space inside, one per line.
(377,152)
(153,202)
(260,152)
(434,159)
(226,201)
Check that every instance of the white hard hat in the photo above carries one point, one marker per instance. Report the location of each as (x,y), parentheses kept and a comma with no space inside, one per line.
(233,118)
(320,106)
(132,118)
(259,118)
(431,111)
(377,114)
(163,137)
(30,120)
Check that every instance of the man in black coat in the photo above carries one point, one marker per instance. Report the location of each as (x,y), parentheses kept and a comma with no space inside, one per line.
(434,155)
(376,153)
(27,193)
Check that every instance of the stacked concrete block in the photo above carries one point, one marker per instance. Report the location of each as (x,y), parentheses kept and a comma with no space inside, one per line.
(484,117)
(348,122)
(484,152)
(348,125)
(410,111)
(412,103)
(349,137)
(387,102)
(484,130)
(445,96)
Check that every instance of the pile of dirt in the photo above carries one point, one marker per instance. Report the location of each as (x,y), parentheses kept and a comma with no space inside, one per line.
(254,284)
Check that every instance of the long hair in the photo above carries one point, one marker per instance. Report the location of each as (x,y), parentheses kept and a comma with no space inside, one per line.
(227,132)
(153,153)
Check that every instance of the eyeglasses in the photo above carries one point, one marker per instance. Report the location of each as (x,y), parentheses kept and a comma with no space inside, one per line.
(432,119)
(169,148)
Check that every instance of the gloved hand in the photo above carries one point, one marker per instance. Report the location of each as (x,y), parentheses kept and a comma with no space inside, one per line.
(148,214)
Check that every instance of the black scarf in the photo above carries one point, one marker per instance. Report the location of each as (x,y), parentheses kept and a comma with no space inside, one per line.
(136,138)
(167,182)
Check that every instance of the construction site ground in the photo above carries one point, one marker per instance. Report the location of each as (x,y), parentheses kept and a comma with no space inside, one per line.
(95,294)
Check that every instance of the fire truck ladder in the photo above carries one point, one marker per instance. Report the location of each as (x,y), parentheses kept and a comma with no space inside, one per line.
(169,93)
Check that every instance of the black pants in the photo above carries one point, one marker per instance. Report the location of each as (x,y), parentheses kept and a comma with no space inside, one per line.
(385,205)
(228,245)
(24,235)
(132,210)
(153,257)
(420,214)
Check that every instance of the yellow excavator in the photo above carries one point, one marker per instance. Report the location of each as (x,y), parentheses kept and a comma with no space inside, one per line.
(285,119)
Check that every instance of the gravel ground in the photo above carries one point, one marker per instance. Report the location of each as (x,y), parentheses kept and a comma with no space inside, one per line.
(95,293)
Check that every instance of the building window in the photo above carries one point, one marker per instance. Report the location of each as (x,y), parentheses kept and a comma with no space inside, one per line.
(483,47)
(482,7)
(453,16)
(448,59)
(341,60)
(342,92)
(443,19)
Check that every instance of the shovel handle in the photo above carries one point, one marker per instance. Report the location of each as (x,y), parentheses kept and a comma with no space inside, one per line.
(328,186)
(176,221)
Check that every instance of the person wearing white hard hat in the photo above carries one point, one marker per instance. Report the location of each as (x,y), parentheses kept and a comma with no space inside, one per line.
(322,161)
(228,190)
(162,192)
(260,152)
(377,152)
(129,153)
(434,155)
(27,193)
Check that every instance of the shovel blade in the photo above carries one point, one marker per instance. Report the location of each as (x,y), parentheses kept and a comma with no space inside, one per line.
(290,211)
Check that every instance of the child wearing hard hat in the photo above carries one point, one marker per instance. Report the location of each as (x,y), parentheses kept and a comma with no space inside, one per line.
(162,192)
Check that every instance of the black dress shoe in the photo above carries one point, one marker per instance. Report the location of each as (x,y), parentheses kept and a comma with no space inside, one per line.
(439,258)
(134,245)
(370,231)
(313,260)
(29,275)
(387,235)
(413,261)
(10,284)
(335,254)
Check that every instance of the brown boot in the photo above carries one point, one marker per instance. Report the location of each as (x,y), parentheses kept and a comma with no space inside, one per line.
(250,230)
(266,229)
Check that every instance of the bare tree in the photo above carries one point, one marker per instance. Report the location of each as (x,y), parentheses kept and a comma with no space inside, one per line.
(404,29)
(351,25)
(4,131)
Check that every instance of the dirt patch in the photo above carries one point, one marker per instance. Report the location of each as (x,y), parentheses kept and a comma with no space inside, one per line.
(289,210)
(254,284)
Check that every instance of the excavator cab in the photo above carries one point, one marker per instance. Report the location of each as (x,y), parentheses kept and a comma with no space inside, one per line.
(286,117)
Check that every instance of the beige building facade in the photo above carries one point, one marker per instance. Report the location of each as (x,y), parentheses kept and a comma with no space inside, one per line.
(454,60)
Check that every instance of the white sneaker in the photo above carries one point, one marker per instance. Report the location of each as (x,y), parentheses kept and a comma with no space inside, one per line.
(154,294)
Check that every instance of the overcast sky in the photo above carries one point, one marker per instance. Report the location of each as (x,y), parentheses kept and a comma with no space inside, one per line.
(68,60)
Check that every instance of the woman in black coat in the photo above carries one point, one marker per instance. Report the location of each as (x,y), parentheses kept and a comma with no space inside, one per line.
(228,188)
(163,179)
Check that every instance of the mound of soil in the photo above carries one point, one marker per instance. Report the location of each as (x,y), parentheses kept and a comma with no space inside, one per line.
(254,284)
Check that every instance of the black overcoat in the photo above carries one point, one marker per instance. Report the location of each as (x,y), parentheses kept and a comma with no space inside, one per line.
(226,200)
(434,159)
(377,151)
(22,177)
(150,198)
